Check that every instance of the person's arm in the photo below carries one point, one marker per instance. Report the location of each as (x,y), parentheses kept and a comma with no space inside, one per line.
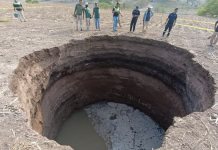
(152,14)
(75,10)
(83,10)
(93,12)
(167,19)
(144,15)
(121,14)
(174,23)
(22,7)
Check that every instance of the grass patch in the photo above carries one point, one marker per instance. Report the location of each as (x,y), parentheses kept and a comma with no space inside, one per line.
(32,1)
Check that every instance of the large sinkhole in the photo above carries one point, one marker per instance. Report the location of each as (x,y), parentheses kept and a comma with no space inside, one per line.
(159,79)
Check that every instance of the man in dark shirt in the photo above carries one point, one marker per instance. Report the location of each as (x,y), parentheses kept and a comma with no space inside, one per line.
(214,37)
(171,21)
(135,15)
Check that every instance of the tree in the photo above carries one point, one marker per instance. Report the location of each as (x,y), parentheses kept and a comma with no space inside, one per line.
(209,9)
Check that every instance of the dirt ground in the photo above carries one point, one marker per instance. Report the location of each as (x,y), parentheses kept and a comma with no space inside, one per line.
(50,25)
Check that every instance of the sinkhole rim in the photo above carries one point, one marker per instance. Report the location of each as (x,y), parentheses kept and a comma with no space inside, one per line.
(122,62)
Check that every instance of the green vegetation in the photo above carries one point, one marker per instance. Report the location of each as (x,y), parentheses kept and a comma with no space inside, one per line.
(209,9)
(105,4)
(32,1)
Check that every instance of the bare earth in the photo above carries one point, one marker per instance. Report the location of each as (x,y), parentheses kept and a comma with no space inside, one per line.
(50,25)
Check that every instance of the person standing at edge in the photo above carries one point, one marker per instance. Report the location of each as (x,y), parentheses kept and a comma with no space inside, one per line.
(88,16)
(147,17)
(135,15)
(214,37)
(78,13)
(18,9)
(116,13)
(171,21)
(120,15)
(96,15)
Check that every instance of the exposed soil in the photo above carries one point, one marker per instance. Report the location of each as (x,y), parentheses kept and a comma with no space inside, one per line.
(50,26)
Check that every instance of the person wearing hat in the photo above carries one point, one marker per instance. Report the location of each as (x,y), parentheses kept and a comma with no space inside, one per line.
(78,12)
(135,15)
(170,23)
(116,13)
(88,16)
(18,9)
(96,15)
(147,17)
(214,37)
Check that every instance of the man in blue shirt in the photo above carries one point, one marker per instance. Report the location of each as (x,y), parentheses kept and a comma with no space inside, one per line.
(135,15)
(171,21)
(214,37)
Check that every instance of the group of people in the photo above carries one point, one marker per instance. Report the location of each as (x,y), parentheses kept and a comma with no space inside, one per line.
(81,11)
(170,23)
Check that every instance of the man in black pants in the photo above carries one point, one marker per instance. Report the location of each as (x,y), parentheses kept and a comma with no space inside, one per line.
(135,15)
(171,21)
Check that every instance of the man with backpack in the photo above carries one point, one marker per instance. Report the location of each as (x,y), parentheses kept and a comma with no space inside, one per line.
(78,12)
(18,10)
(135,15)
(96,15)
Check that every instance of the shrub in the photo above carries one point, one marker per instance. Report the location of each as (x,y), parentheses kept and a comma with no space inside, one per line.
(209,9)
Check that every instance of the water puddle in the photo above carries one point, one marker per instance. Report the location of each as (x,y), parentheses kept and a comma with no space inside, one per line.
(110,126)
(79,133)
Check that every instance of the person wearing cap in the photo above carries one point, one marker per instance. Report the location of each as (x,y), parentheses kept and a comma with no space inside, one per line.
(96,15)
(135,15)
(88,16)
(214,37)
(170,23)
(78,12)
(147,17)
(18,9)
(116,13)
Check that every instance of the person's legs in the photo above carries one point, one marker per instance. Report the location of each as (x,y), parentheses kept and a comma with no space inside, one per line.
(131,24)
(166,28)
(87,24)
(96,25)
(81,24)
(19,15)
(115,23)
(216,38)
(212,39)
(147,23)
(170,28)
(143,26)
(134,23)
(119,21)
(77,22)
(99,26)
